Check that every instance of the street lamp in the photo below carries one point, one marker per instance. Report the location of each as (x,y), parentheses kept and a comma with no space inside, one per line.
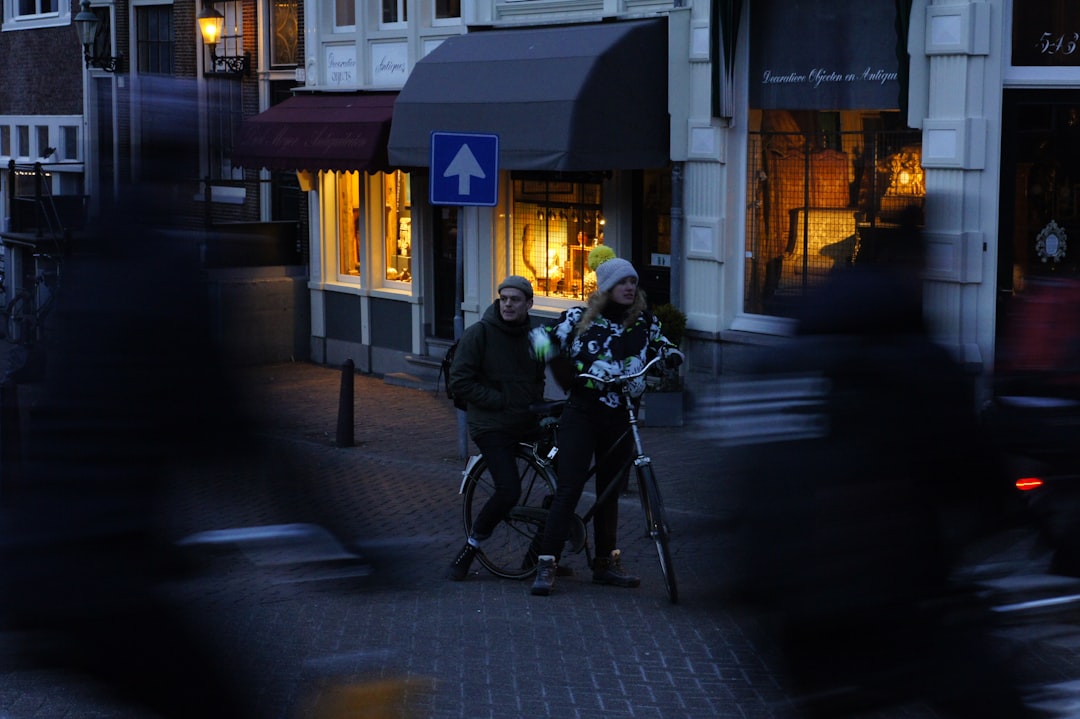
(212,26)
(89,27)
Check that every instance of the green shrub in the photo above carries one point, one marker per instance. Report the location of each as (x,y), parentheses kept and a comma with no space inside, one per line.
(673,324)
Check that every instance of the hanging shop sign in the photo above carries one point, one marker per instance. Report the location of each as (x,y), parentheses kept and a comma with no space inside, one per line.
(824,55)
(1046,33)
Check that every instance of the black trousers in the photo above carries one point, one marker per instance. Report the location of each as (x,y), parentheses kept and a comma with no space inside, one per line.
(500,450)
(586,429)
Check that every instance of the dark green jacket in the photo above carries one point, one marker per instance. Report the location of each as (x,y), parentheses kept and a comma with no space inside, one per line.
(495,372)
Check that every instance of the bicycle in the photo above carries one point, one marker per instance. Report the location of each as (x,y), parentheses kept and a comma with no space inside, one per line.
(25,315)
(511,550)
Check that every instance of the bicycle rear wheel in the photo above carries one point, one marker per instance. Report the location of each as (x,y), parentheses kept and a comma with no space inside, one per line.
(511,550)
(657,527)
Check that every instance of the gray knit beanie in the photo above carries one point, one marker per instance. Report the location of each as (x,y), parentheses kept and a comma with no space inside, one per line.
(612,272)
(517,282)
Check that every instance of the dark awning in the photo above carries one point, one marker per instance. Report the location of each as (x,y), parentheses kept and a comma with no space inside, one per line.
(571,98)
(318,132)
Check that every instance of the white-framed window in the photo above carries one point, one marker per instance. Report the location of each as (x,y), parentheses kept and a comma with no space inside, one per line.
(285,33)
(30,14)
(395,13)
(48,138)
(446,10)
(556,224)
(344,15)
(376,206)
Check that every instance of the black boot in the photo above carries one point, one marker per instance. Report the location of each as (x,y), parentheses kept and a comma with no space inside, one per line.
(609,570)
(459,568)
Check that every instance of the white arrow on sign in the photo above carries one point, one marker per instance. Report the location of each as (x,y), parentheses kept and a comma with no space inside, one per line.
(465,166)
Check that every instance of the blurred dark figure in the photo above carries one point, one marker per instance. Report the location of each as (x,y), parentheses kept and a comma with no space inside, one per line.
(1034,414)
(133,391)
(850,537)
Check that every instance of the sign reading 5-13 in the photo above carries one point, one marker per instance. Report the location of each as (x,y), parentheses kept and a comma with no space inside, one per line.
(1046,33)
(1064,44)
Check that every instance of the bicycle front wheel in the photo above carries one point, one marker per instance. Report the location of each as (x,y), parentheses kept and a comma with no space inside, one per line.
(657,527)
(511,549)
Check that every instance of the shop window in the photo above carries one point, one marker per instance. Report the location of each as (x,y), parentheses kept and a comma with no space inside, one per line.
(348,184)
(824,190)
(555,226)
(398,211)
(656,227)
(5,140)
(390,192)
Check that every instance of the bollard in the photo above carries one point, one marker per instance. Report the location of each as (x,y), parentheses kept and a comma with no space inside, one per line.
(345,405)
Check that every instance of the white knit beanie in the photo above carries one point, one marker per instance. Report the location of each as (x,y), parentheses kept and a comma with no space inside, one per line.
(611,272)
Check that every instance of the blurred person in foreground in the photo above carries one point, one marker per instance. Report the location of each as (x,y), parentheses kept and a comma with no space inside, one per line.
(850,536)
(133,392)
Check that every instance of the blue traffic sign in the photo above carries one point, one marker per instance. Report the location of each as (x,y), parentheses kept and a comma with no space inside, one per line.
(464,169)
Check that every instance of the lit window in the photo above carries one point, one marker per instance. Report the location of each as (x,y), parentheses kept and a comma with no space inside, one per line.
(390,191)
(398,204)
(285,24)
(824,190)
(348,184)
(555,226)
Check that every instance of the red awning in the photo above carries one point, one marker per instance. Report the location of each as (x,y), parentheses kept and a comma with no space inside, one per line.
(318,132)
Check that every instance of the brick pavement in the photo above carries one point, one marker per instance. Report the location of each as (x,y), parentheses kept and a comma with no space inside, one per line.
(479,648)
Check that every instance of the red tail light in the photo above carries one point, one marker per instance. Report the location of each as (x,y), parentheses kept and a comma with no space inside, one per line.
(1026,484)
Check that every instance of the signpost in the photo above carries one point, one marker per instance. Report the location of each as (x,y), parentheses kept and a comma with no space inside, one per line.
(464,169)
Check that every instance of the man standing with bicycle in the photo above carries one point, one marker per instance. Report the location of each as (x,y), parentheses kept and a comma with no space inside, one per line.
(615,333)
(495,372)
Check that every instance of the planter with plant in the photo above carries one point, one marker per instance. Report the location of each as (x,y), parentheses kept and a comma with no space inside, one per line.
(664,402)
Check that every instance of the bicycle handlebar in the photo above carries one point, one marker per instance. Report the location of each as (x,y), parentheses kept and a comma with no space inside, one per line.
(623,378)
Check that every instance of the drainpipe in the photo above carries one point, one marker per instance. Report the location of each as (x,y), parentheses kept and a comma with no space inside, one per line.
(677,235)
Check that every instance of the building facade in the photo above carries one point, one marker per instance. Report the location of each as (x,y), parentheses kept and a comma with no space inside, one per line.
(734,150)
(142,100)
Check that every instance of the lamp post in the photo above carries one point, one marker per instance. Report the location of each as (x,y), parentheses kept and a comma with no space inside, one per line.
(211,27)
(88,25)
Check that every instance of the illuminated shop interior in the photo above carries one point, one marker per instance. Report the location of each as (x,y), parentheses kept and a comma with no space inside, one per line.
(822,189)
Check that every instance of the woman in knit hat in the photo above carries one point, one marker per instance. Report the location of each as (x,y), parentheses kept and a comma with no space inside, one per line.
(613,335)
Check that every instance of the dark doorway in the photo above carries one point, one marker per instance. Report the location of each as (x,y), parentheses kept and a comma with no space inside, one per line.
(651,233)
(444,281)
(1038,275)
